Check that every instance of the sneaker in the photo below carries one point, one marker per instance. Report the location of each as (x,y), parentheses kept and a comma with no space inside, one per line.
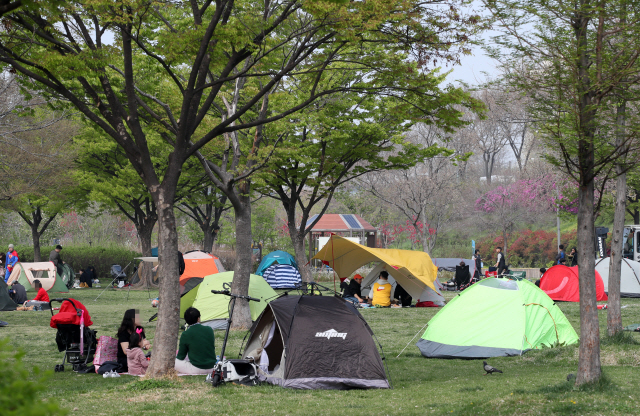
(115,374)
(208,379)
(106,375)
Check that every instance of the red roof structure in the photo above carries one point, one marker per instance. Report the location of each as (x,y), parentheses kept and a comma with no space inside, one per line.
(340,223)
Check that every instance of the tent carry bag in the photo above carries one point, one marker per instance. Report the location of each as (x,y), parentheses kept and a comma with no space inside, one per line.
(244,371)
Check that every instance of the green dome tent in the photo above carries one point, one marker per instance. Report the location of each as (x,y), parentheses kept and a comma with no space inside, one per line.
(214,309)
(496,317)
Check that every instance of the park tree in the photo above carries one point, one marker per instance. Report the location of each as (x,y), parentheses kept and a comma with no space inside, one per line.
(173,69)
(34,141)
(573,77)
(427,194)
(205,207)
(338,140)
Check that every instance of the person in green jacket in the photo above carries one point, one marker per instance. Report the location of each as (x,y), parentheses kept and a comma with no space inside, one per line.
(197,351)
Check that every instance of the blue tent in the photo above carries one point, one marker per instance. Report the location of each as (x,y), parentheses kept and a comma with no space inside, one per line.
(279,257)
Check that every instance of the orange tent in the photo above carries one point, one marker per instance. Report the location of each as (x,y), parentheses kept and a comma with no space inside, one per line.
(197,265)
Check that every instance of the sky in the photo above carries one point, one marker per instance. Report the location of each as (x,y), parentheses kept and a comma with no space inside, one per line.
(471,68)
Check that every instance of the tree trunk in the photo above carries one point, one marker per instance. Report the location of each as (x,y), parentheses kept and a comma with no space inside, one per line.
(614,315)
(504,248)
(209,238)
(589,361)
(35,236)
(297,238)
(244,263)
(166,338)
(145,231)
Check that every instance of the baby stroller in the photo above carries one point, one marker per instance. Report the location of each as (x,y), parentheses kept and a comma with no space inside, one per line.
(118,275)
(74,336)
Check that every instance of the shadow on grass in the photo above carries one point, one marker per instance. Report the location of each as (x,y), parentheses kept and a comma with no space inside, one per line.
(621,338)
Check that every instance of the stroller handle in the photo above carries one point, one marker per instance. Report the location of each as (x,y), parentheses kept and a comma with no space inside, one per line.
(228,293)
(78,311)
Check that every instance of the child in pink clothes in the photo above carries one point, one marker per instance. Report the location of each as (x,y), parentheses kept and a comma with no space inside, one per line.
(136,361)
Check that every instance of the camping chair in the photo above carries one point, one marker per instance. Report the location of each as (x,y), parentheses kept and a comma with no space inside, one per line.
(463,276)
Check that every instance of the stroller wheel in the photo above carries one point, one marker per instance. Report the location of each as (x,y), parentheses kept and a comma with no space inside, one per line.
(59,368)
(215,382)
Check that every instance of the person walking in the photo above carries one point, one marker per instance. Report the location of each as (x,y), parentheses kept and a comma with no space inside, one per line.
(561,257)
(478,260)
(54,257)
(500,265)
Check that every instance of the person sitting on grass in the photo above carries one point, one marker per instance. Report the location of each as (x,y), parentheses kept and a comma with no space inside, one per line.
(137,363)
(197,344)
(352,292)
(130,325)
(381,291)
(18,293)
(41,298)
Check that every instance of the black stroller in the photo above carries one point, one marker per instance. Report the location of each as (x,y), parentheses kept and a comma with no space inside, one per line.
(74,336)
(118,275)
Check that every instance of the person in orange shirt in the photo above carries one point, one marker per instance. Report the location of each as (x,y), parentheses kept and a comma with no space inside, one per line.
(41,299)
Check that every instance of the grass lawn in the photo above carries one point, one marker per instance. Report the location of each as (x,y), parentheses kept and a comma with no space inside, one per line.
(531,384)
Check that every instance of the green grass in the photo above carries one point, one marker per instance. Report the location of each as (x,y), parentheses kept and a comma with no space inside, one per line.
(534,384)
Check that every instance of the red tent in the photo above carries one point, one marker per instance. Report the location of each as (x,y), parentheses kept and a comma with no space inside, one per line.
(561,283)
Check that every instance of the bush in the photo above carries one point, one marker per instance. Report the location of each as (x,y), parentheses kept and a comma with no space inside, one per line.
(80,257)
(18,395)
(526,248)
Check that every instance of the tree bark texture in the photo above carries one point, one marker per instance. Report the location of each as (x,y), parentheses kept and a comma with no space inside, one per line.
(297,238)
(244,264)
(589,362)
(145,231)
(614,314)
(166,338)
(35,236)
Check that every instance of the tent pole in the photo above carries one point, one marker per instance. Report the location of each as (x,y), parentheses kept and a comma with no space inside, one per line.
(414,337)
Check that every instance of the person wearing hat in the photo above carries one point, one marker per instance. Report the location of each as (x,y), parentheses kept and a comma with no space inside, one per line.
(12,259)
(54,257)
(352,291)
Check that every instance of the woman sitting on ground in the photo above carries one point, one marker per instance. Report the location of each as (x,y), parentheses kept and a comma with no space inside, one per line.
(130,325)
(136,359)
(197,342)
(41,299)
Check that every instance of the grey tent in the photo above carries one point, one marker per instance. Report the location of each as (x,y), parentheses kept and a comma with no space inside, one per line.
(6,303)
(315,342)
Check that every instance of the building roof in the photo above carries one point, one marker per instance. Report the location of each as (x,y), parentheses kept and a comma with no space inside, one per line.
(340,222)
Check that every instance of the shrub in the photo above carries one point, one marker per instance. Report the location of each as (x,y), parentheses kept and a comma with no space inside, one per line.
(80,257)
(526,248)
(18,395)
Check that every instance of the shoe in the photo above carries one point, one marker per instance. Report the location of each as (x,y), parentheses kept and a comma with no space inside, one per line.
(115,374)
(106,375)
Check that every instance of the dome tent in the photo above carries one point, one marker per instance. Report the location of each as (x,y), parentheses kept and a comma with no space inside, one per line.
(276,257)
(214,308)
(197,265)
(315,342)
(45,272)
(496,317)
(562,283)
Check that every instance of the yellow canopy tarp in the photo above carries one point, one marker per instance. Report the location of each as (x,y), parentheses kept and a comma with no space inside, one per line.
(345,257)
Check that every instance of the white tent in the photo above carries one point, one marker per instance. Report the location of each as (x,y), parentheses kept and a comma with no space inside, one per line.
(415,288)
(629,276)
